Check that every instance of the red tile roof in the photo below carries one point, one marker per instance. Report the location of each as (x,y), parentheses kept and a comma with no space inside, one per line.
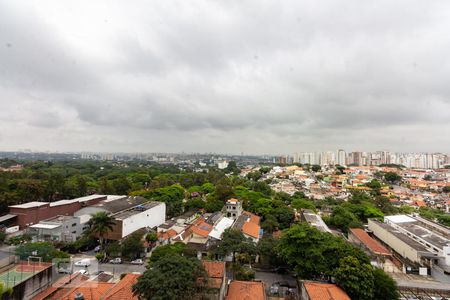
(91,290)
(246,290)
(123,289)
(324,291)
(166,235)
(251,229)
(61,287)
(201,228)
(253,218)
(215,269)
(216,272)
(369,242)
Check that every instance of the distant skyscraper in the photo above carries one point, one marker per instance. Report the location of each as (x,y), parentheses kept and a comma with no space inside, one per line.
(341,157)
(296,158)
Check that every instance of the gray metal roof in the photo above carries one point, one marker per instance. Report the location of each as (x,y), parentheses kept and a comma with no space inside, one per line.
(7,217)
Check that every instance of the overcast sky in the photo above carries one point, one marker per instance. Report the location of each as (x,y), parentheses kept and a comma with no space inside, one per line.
(225,76)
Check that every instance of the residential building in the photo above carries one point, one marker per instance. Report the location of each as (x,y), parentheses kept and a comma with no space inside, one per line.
(248,290)
(248,224)
(233,208)
(341,157)
(219,228)
(81,287)
(216,284)
(222,165)
(311,290)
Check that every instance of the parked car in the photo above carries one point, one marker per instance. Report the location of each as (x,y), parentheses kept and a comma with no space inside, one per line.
(64,271)
(116,260)
(274,289)
(97,249)
(137,262)
(83,263)
(83,272)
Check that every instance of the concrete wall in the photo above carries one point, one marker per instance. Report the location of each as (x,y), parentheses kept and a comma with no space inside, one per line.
(31,287)
(152,217)
(395,243)
(116,233)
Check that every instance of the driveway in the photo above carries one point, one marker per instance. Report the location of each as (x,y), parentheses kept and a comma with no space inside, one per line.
(270,279)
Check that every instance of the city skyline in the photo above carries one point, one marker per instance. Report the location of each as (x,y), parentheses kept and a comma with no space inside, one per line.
(261,77)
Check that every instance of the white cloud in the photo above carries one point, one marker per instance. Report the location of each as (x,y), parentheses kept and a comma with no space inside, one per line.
(251,76)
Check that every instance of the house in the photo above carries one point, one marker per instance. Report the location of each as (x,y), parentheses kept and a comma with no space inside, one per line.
(311,290)
(248,290)
(216,284)
(79,287)
(233,208)
(220,227)
(165,238)
(248,223)
(188,217)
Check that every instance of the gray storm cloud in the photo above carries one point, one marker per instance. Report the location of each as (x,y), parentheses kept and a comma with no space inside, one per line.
(235,76)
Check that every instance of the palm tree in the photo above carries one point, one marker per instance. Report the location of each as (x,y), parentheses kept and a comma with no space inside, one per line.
(100,224)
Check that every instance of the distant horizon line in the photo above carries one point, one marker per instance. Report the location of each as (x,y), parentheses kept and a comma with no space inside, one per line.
(27,151)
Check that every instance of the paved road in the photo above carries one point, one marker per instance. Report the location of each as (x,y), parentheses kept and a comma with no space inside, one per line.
(115,269)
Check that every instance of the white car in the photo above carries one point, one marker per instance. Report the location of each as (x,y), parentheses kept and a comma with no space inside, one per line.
(83,272)
(116,260)
(83,263)
(137,262)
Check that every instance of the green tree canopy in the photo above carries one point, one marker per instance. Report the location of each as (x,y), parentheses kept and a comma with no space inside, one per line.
(343,219)
(41,249)
(355,278)
(161,251)
(172,196)
(310,252)
(132,247)
(171,277)
(233,241)
(392,177)
(385,287)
